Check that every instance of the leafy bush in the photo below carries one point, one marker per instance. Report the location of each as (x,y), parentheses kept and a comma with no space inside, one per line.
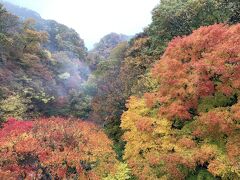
(55,148)
(122,173)
(14,106)
(189,126)
(194,67)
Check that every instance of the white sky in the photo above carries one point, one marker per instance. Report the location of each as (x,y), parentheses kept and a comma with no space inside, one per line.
(93,19)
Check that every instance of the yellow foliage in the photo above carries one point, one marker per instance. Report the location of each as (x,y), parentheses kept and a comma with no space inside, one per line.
(122,173)
(156,150)
(13,106)
(148,138)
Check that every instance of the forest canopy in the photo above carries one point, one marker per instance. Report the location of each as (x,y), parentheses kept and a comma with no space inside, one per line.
(163,104)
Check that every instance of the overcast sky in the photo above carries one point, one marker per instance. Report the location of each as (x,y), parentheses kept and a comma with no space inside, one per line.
(93,19)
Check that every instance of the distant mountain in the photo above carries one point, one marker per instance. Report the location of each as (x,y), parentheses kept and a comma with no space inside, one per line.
(21,12)
(61,37)
(109,42)
(103,48)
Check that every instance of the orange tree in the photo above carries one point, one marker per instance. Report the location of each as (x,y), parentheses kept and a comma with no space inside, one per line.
(54,148)
(196,68)
(189,126)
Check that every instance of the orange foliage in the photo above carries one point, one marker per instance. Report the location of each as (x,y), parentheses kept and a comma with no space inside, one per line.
(195,66)
(199,71)
(144,124)
(218,121)
(56,148)
(187,143)
(236,112)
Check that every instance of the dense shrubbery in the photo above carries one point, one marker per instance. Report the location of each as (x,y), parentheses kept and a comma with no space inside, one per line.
(201,65)
(170,19)
(55,148)
(191,122)
(168,98)
(14,106)
(40,68)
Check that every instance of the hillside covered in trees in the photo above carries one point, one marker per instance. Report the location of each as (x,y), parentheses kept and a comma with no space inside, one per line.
(164,104)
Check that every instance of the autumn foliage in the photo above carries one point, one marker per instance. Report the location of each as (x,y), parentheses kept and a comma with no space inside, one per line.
(194,67)
(189,126)
(169,98)
(54,148)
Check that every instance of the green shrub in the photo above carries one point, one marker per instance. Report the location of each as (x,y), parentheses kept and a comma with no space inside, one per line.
(14,106)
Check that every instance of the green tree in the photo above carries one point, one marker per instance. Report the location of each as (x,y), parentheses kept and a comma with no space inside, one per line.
(180,17)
